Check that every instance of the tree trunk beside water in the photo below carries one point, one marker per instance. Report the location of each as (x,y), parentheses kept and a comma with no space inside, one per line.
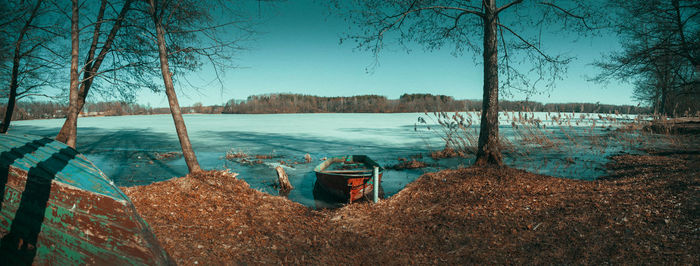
(187,151)
(74,82)
(488,151)
(91,68)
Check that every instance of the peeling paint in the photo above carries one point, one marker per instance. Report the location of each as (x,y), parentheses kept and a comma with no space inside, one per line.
(58,208)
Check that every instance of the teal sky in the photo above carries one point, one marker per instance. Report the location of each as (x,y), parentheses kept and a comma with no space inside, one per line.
(298,51)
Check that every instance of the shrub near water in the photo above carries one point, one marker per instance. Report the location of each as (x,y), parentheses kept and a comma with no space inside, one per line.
(455,130)
(570,144)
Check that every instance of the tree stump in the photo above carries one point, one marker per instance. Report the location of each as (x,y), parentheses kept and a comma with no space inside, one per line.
(283,179)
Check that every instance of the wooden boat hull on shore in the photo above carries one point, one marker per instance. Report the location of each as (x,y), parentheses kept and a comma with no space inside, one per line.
(58,208)
(350,185)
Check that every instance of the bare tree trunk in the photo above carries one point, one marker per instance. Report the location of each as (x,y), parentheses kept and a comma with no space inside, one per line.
(92,66)
(180,127)
(663,76)
(488,151)
(74,82)
(664,99)
(12,99)
(10,108)
(657,103)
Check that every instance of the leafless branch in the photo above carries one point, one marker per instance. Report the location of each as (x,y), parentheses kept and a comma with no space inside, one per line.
(400,17)
(34,94)
(568,13)
(506,6)
(528,44)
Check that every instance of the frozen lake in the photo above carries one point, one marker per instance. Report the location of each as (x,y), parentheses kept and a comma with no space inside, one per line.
(124,147)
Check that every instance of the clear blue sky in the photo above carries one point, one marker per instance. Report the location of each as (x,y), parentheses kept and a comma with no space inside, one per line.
(298,51)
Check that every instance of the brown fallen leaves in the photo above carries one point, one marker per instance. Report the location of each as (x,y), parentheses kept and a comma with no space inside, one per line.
(648,212)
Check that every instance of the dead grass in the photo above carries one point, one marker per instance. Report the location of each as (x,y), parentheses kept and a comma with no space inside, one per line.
(247,159)
(233,155)
(408,164)
(682,125)
(567,137)
(167,155)
(447,152)
(646,212)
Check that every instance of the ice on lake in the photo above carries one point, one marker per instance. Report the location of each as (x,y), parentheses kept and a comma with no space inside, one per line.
(125,147)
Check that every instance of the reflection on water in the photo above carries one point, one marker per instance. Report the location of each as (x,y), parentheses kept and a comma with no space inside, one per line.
(324,199)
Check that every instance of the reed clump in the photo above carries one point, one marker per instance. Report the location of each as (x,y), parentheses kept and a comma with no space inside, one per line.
(408,164)
(232,155)
(551,140)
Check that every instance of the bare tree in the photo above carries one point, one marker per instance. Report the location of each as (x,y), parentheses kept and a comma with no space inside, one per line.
(187,151)
(91,67)
(517,24)
(33,59)
(188,33)
(661,46)
(125,58)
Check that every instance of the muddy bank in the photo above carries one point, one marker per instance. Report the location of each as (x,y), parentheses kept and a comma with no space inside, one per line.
(646,212)
(682,125)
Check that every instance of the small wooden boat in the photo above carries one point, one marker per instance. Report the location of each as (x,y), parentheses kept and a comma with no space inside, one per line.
(59,208)
(348,178)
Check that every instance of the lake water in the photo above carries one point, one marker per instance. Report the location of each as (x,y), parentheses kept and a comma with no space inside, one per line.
(125,147)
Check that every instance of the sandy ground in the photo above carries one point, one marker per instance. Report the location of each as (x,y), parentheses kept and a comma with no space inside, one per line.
(646,212)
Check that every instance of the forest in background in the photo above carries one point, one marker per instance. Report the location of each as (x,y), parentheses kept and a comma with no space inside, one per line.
(298,103)
(49,109)
(407,103)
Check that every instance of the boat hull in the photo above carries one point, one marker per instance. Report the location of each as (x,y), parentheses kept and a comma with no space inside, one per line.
(58,208)
(347,187)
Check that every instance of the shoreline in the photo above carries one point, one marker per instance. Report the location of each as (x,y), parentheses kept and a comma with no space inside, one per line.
(647,212)
(292,113)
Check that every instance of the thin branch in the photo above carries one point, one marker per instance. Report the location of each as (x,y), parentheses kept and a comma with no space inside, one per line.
(456,23)
(583,19)
(34,94)
(546,57)
(95,74)
(209,28)
(507,6)
(686,48)
(505,52)
(400,17)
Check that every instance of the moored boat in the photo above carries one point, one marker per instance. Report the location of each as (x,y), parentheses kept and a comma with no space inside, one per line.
(59,208)
(348,178)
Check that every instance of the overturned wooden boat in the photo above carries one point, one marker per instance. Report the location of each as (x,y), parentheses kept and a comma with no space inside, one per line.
(348,178)
(59,208)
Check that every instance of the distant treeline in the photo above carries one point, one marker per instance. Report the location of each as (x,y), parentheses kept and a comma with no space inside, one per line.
(297,103)
(48,109)
(35,110)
